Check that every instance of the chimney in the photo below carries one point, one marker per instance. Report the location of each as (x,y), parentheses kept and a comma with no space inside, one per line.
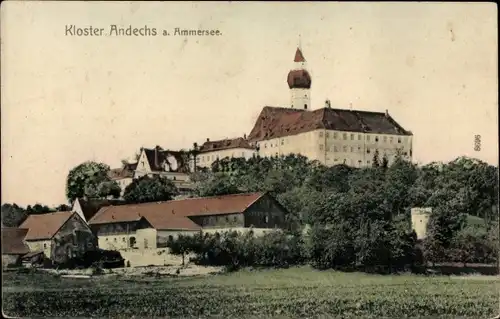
(386,113)
(208,140)
(156,156)
(328,104)
(244,136)
(195,145)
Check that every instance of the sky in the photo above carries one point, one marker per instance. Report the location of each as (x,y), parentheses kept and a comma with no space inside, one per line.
(68,99)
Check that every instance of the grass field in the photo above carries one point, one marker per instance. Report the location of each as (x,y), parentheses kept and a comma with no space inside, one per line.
(291,293)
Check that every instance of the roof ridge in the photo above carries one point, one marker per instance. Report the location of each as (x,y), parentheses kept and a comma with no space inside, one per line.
(182,199)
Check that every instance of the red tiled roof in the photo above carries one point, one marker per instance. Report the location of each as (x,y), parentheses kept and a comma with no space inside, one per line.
(13,241)
(45,226)
(173,214)
(274,122)
(171,222)
(225,144)
(90,207)
(299,57)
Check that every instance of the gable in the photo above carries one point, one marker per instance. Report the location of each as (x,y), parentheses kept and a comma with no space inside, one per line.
(266,203)
(77,208)
(143,162)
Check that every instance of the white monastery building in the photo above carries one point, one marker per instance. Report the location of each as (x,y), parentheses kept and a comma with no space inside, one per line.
(329,135)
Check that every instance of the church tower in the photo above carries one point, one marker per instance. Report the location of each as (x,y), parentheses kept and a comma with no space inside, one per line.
(299,82)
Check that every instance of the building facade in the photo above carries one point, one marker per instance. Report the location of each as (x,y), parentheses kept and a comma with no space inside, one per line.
(60,236)
(211,151)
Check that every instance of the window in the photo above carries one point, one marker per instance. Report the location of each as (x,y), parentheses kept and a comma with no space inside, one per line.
(359,148)
(235,219)
(131,241)
(359,137)
(175,178)
(385,139)
(227,219)
(399,139)
(327,148)
(368,150)
(123,239)
(376,138)
(391,139)
(266,219)
(142,163)
(344,136)
(335,135)
(145,243)
(305,106)
(242,154)
(170,238)
(320,134)
(321,146)
(265,145)
(282,141)
(352,137)
(367,137)
(367,162)
(327,134)
(114,240)
(44,246)
(352,149)
(344,148)
(106,239)
(335,149)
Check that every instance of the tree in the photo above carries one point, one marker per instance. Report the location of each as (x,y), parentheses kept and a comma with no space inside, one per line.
(376,160)
(217,184)
(13,215)
(38,209)
(150,189)
(385,162)
(63,208)
(85,179)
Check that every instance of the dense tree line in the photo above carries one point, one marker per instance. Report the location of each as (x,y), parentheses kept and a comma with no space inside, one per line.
(361,216)
(13,215)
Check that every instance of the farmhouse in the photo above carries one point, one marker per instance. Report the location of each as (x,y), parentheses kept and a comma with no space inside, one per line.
(13,246)
(150,225)
(60,235)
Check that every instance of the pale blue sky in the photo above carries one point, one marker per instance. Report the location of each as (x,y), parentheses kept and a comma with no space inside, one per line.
(70,99)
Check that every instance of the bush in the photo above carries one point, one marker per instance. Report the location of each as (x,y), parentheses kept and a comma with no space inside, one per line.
(235,250)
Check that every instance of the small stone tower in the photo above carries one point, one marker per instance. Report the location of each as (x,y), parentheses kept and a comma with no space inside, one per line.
(419,220)
(299,82)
